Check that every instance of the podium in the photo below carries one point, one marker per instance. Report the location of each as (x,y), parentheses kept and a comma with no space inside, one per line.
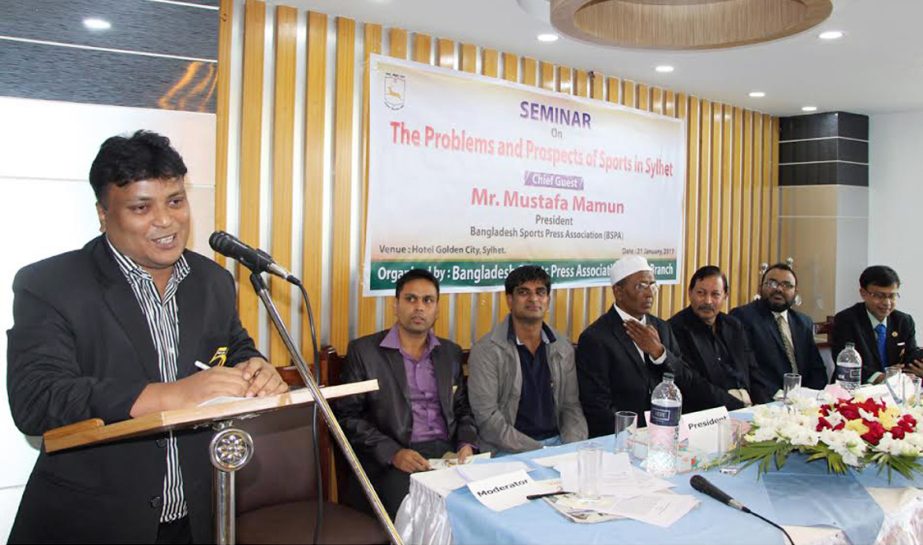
(229,450)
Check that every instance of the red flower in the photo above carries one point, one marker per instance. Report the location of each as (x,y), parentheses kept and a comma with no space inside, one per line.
(849,412)
(839,426)
(825,410)
(823,424)
(908,422)
(897,432)
(871,406)
(875,433)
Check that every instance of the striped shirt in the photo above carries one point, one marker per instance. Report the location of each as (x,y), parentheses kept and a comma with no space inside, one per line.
(163,322)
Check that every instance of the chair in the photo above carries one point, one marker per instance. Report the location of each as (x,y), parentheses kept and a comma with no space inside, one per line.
(276,492)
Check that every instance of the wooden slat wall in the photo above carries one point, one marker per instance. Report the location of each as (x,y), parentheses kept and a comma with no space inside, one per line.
(283,133)
(730,213)
(251,138)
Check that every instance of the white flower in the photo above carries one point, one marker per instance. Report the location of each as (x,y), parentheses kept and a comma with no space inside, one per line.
(847,443)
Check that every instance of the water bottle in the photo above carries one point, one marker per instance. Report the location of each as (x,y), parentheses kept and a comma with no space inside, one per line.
(849,368)
(663,429)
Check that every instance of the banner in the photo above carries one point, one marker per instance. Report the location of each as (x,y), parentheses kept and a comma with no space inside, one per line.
(471,177)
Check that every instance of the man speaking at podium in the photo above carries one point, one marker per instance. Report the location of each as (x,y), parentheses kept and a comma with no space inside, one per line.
(114,331)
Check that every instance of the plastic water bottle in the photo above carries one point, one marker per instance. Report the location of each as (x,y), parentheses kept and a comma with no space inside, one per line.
(663,429)
(849,368)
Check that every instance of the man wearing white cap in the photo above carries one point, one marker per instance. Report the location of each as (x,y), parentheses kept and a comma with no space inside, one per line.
(622,356)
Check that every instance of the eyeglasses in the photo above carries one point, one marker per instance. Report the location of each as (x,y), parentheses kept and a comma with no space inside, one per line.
(775,285)
(882,297)
(641,287)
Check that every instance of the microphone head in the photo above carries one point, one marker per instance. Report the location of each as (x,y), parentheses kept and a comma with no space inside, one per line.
(699,483)
(217,241)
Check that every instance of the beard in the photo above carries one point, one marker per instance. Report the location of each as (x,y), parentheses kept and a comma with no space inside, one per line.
(779,307)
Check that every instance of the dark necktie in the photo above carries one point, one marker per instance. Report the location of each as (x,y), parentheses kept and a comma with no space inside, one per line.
(881,334)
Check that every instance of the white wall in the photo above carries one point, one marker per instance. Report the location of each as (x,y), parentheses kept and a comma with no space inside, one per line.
(895,204)
(47,207)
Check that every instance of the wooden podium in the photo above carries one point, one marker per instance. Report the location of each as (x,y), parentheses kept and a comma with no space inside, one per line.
(230,448)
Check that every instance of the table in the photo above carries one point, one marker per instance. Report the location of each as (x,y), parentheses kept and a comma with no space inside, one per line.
(874,511)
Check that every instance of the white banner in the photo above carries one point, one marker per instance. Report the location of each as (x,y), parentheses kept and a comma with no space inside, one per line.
(471,176)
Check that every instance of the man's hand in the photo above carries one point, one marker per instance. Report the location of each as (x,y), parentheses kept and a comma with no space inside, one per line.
(409,461)
(191,391)
(646,337)
(264,378)
(464,453)
(915,367)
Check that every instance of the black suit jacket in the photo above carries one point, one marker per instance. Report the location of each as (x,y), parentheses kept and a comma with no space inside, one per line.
(853,326)
(766,342)
(612,375)
(380,423)
(693,334)
(80,348)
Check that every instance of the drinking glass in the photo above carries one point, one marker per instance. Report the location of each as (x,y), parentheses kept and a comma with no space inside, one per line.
(912,396)
(589,471)
(626,424)
(790,383)
(895,383)
(729,439)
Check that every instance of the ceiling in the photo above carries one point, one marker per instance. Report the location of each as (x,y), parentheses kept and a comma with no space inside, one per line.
(876,68)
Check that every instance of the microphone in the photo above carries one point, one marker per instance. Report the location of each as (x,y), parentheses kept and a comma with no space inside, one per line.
(704,486)
(256,260)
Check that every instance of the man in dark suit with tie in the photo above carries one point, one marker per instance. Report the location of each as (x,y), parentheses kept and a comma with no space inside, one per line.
(883,335)
(621,357)
(714,344)
(113,331)
(782,338)
(420,410)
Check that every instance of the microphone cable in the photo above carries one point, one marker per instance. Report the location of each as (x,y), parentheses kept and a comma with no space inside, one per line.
(317,462)
(764,519)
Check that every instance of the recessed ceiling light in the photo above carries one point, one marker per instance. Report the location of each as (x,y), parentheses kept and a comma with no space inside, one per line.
(664,69)
(757,94)
(831,35)
(95,23)
(809,108)
(549,37)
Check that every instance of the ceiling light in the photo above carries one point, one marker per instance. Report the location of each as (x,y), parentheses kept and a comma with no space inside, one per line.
(757,94)
(95,23)
(549,37)
(809,108)
(664,69)
(831,35)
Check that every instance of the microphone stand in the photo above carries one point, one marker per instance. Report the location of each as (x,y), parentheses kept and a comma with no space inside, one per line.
(263,293)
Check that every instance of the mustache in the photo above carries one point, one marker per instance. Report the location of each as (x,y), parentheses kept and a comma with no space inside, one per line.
(706,307)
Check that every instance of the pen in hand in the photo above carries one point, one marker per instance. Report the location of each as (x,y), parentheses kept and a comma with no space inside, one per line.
(202,366)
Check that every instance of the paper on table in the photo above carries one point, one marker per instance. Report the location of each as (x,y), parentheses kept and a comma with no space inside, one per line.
(503,491)
(477,472)
(452,461)
(221,400)
(551,461)
(442,481)
(618,477)
(657,509)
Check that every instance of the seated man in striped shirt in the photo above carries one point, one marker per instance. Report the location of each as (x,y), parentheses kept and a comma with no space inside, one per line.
(113,331)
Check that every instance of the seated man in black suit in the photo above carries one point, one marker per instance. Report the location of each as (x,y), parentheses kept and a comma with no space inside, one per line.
(113,331)
(421,408)
(782,338)
(621,357)
(883,335)
(714,344)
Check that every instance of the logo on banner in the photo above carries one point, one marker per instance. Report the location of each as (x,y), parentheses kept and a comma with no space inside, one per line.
(395,85)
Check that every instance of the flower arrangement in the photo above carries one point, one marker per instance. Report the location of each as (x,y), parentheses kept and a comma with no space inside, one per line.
(844,432)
